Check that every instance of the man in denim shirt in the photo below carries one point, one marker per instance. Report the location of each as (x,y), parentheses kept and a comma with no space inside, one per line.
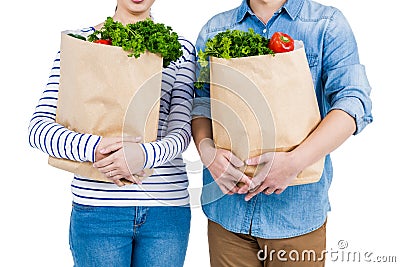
(276,217)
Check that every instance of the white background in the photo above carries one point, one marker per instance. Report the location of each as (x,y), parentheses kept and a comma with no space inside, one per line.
(36,199)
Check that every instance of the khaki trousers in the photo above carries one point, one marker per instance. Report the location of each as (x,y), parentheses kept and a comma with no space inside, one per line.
(228,249)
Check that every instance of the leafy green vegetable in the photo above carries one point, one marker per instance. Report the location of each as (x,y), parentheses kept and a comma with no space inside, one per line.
(138,37)
(230,44)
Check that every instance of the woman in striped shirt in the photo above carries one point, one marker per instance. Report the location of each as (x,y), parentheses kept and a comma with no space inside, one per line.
(143,224)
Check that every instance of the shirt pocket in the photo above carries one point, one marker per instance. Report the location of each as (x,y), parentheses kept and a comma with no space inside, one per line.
(312,59)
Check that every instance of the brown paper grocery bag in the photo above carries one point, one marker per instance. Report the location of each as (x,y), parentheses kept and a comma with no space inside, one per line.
(106,93)
(263,104)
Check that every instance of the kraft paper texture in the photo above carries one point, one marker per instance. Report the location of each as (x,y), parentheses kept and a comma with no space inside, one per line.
(262,104)
(106,93)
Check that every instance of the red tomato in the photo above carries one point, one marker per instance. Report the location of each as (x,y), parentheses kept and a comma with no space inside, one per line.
(281,42)
(101,41)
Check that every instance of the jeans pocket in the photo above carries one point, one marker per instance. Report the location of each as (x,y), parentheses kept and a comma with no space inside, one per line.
(80,207)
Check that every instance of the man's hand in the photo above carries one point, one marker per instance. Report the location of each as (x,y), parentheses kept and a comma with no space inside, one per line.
(282,167)
(121,159)
(279,170)
(223,165)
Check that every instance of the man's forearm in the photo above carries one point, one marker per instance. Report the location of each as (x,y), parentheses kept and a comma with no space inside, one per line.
(333,130)
(201,130)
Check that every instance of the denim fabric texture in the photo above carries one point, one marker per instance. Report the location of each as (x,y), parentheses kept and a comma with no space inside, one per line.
(129,236)
(340,83)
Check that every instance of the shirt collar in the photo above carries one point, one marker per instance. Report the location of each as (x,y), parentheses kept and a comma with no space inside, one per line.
(243,9)
(292,7)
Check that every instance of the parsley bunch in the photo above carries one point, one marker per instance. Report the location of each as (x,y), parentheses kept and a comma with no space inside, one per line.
(138,37)
(231,44)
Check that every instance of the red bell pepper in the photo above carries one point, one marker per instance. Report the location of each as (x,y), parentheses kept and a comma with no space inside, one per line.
(281,42)
(102,41)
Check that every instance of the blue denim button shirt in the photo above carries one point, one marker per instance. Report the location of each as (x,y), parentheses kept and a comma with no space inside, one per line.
(340,83)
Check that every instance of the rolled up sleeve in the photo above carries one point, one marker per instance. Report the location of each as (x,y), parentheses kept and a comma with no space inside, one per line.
(201,107)
(351,94)
(346,83)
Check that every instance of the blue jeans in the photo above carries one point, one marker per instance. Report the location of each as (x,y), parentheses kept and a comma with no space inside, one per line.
(129,236)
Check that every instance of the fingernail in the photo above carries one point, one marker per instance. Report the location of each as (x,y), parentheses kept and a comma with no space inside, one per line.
(102,151)
(138,138)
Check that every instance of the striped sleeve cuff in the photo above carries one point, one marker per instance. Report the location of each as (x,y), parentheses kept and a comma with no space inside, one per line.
(158,152)
(149,152)
(90,146)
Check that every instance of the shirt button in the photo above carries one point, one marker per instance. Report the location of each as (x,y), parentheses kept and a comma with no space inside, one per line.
(265,30)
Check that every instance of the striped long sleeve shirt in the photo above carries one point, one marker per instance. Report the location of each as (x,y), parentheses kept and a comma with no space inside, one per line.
(169,182)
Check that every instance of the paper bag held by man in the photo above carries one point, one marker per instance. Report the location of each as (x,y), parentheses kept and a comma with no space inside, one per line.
(262,104)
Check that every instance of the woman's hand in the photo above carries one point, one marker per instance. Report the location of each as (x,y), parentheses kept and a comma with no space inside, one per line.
(123,159)
(105,142)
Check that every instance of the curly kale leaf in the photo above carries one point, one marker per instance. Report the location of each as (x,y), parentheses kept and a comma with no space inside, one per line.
(142,36)
(231,44)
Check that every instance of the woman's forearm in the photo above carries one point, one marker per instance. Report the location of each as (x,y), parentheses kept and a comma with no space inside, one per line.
(179,132)
(53,138)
